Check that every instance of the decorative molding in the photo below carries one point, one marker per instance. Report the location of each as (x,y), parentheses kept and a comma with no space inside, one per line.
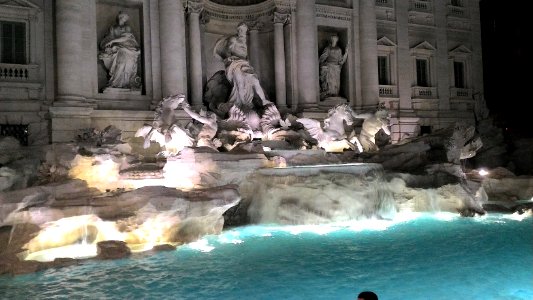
(285,6)
(460,50)
(333,12)
(424,48)
(458,24)
(239,13)
(19,3)
(421,18)
(384,41)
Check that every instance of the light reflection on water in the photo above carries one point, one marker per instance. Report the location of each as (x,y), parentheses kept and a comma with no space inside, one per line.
(436,256)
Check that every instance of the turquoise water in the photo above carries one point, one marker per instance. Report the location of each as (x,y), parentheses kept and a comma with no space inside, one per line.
(425,258)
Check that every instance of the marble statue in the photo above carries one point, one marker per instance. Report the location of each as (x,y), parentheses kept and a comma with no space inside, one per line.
(166,129)
(207,130)
(333,137)
(247,101)
(371,126)
(120,53)
(331,61)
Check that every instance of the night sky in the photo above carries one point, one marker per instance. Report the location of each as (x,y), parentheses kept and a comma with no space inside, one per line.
(506,64)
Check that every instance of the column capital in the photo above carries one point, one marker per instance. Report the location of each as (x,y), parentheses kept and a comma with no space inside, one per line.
(195,6)
(281,17)
(255,25)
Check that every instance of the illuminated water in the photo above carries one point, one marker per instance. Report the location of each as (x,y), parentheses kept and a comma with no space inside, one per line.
(425,258)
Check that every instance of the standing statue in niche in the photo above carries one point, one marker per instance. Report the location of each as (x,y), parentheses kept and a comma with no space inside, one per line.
(247,102)
(331,61)
(120,53)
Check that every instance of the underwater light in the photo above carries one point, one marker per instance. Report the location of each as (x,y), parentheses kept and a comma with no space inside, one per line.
(483,172)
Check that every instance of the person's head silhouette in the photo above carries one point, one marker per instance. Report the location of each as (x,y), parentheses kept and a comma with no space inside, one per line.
(367,295)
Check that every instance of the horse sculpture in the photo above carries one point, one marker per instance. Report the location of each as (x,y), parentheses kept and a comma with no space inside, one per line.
(333,137)
(166,129)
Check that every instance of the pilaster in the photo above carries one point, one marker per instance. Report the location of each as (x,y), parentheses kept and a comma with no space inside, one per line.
(306,33)
(369,64)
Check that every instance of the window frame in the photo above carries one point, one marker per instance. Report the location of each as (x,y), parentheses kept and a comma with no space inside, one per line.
(27,13)
(387,48)
(424,51)
(463,55)
(13,51)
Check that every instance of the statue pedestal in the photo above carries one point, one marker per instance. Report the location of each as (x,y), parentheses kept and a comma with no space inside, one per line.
(330,102)
(111,90)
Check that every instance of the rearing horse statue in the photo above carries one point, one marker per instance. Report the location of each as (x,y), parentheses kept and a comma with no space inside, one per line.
(332,137)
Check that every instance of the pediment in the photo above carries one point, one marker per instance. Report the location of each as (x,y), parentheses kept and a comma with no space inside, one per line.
(19,3)
(460,50)
(384,41)
(425,45)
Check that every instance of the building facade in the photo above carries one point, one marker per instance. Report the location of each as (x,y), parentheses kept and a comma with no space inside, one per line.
(420,59)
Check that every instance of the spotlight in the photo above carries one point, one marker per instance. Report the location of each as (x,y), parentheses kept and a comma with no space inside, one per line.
(483,172)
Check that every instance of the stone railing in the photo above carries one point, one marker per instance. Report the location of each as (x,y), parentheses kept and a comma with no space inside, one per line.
(460,93)
(387,91)
(421,5)
(384,3)
(424,92)
(457,11)
(19,73)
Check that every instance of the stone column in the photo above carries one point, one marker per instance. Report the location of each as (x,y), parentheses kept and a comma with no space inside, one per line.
(172,47)
(194,8)
(356,96)
(279,60)
(69,52)
(306,32)
(404,57)
(443,75)
(369,59)
(253,51)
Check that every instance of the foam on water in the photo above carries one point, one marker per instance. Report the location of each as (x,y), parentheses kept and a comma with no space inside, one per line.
(422,256)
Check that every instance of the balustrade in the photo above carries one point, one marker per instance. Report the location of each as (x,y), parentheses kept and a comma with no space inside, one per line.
(424,92)
(16,72)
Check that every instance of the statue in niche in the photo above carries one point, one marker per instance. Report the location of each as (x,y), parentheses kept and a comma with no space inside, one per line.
(331,61)
(120,55)
(247,102)
(166,129)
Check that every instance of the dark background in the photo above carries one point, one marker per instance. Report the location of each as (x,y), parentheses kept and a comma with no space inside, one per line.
(506,64)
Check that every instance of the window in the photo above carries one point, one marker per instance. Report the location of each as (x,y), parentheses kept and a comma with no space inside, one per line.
(422,72)
(12,42)
(459,74)
(383,70)
(456,2)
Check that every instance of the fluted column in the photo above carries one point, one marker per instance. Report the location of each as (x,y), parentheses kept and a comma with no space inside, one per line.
(172,41)
(253,51)
(306,31)
(194,8)
(69,41)
(279,59)
(369,60)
